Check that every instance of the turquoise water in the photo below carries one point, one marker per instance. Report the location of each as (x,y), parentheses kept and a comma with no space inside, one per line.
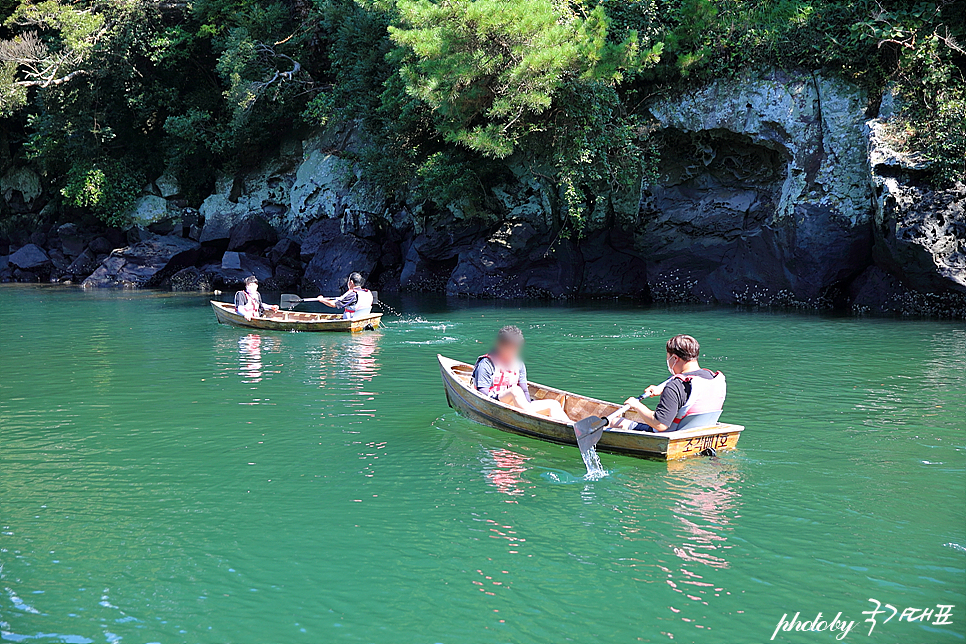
(167,479)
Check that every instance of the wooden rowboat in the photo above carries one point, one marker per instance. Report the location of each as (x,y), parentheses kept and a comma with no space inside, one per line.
(664,446)
(292,321)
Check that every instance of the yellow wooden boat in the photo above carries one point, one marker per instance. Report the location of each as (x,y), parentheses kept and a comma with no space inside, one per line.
(292,321)
(664,446)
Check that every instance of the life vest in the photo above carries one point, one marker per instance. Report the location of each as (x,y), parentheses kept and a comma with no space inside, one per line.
(503,377)
(250,307)
(362,306)
(707,397)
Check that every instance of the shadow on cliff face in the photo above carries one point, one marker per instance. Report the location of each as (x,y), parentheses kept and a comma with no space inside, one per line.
(712,230)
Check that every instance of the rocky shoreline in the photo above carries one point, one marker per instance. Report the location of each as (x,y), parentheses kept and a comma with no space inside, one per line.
(778,190)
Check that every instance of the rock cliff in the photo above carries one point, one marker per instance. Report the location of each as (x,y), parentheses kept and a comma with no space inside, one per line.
(775,189)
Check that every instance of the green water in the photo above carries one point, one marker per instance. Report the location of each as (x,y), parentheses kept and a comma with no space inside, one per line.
(167,479)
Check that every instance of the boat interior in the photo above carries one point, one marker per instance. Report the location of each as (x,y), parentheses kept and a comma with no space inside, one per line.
(580,407)
(577,407)
(292,316)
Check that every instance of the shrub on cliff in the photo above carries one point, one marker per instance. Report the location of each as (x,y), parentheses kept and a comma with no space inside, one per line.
(107,188)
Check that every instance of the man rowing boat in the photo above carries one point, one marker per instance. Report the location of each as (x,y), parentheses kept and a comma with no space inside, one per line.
(501,375)
(691,397)
(356,302)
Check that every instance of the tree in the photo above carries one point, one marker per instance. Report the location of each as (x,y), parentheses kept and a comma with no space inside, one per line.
(63,52)
(489,68)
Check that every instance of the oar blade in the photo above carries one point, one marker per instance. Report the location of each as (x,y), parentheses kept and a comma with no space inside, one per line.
(588,431)
(288,301)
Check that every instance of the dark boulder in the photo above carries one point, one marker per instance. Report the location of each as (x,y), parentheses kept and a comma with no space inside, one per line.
(234,267)
(83,265)
(823,251)
(251,235)
(192,224)
(335,259)
(166,226)
(190,279)
(286,252)
(25,276)
(30,258)
(58,259)
(431,256)
(101,246)
(876,291)
(421,274)
(520,260)
(146,263)
(320,233)
(286,277)
(517,261)
(722,257)
(447,239)
(72,240)
(611,267)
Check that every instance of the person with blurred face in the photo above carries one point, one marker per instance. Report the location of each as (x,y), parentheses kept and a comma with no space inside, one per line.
(249,301)
(501,375)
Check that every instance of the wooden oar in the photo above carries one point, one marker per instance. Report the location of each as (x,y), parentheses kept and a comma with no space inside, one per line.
(289,301)
(590,429)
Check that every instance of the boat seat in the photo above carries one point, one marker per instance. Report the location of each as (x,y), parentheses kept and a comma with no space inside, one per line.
(700,421)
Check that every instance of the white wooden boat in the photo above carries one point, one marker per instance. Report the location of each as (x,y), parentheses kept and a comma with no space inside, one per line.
(292,321)
(464,398)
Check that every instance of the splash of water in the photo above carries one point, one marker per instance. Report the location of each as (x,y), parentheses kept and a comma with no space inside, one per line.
(595,471)
(388,309)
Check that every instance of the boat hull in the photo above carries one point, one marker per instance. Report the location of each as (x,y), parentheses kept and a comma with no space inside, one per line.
(664,446)
(292,321)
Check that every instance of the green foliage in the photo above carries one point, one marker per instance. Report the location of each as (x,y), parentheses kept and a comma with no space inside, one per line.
(319,110)
(931,121)
(447,177)
(707,38)
(12,96)
(447,92)
(107,188)
(488,68)
(598,150)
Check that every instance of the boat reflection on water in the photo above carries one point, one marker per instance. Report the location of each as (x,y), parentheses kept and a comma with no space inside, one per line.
(504,469)
(343,368)
(250,348)
(707,499)
(684,542)
(346,358)
(361,352)
(342,365)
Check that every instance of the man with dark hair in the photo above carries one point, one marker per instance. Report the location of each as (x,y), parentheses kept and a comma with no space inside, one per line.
(249,301)
(501,375)
(692,397)
(356,302)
